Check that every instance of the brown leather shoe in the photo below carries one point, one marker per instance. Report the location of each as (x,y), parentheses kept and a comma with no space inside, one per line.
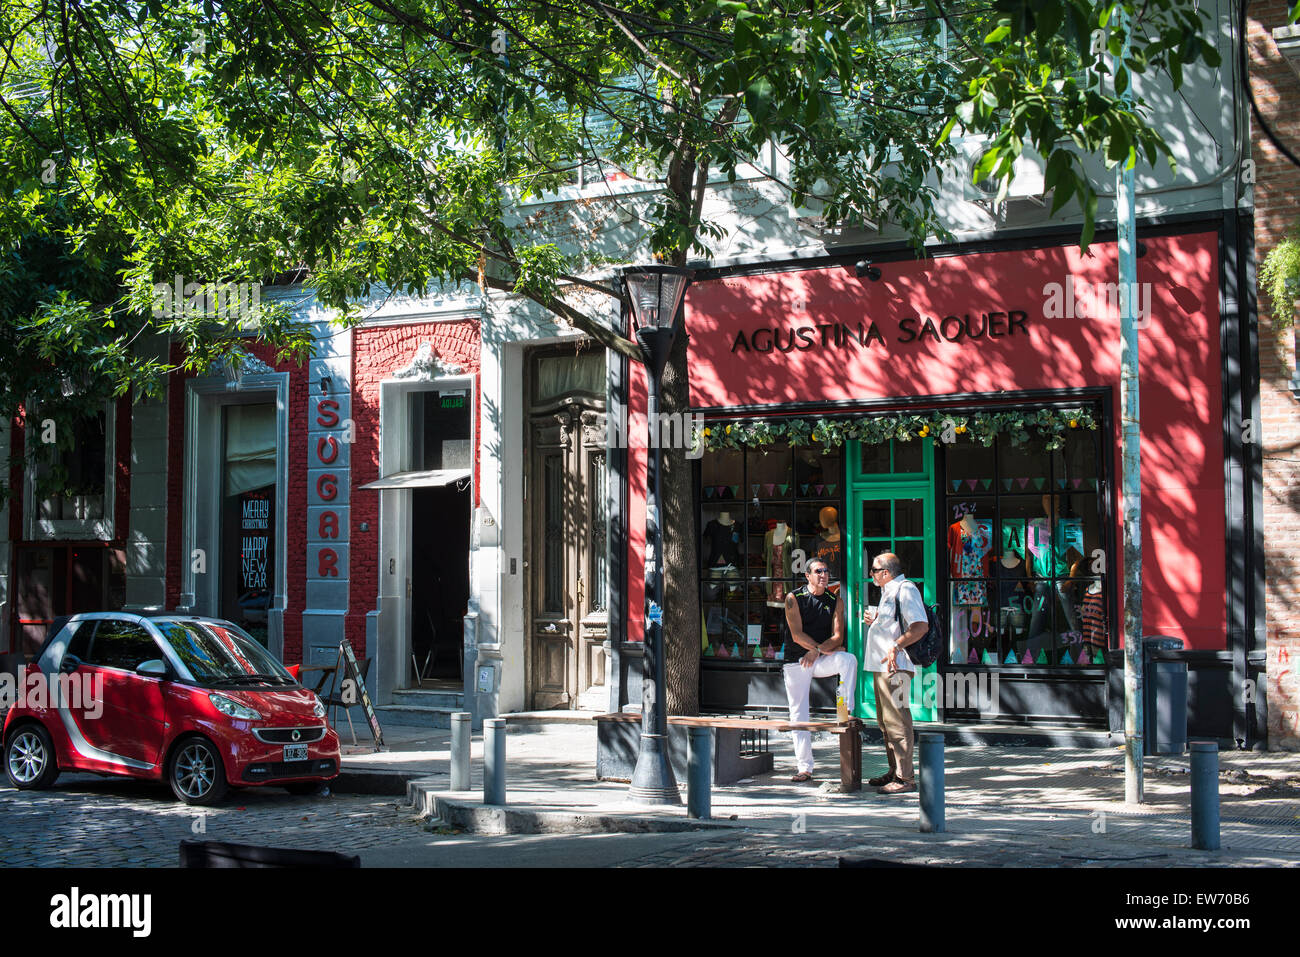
(898,786)
(881,780)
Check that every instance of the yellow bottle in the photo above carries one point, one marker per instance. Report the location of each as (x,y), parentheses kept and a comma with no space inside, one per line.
(841,709)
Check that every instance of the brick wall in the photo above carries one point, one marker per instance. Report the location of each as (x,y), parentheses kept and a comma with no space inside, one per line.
(1277,203)
(378,353)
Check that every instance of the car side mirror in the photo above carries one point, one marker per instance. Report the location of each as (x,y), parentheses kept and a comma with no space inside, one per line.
(69,664)
(153,668)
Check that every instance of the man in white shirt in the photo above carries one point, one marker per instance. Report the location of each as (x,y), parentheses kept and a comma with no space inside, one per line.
(892,668)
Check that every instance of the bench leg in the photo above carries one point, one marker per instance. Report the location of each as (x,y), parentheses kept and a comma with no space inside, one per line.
(851,761)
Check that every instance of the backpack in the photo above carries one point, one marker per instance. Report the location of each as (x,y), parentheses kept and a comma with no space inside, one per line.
(926,651)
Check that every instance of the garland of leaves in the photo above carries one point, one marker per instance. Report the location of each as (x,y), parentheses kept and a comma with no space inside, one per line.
(940,427)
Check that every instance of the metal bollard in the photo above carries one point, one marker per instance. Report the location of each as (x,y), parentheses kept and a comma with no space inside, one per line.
(1205,795)
(460,739)
(699,768)
(494,761)
(930,766)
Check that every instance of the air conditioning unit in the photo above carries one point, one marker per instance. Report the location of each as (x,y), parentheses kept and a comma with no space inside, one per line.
(1028,183)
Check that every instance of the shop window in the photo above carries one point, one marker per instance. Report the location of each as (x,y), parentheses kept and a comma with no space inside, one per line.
(248,516)
(63,580)
(763,514)
(70,495)
(1024,545)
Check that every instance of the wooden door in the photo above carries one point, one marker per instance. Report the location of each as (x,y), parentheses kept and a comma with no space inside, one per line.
(568,618)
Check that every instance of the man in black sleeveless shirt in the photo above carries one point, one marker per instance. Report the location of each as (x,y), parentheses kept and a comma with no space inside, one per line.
(815,631)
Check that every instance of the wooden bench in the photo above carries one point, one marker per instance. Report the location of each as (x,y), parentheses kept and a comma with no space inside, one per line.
(728,739)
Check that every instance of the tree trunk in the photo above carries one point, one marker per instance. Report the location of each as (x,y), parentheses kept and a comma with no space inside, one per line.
(681,628)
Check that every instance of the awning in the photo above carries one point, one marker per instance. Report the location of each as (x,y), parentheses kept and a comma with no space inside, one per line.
(431,479)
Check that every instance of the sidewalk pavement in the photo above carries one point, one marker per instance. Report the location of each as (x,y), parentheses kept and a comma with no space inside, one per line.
(1005,806)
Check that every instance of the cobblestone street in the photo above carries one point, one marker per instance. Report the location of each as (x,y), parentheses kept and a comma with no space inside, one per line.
(87,821)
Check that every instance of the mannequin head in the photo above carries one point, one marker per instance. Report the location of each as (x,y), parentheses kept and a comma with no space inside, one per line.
(829,519)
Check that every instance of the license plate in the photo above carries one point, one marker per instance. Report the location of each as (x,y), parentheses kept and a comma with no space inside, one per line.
(295,752)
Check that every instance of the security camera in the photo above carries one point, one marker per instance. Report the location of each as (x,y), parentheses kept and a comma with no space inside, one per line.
(863,267)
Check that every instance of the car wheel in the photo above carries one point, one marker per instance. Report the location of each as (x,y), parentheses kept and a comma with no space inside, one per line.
(302,788)
(29,758)
(196,774)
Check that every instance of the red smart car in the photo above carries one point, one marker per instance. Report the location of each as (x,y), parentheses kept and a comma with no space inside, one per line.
(190,700)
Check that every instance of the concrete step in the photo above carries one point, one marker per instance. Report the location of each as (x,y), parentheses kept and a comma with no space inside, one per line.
(416,716)
(430,698)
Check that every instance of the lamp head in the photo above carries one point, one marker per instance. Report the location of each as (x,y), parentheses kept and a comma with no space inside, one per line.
(655,294)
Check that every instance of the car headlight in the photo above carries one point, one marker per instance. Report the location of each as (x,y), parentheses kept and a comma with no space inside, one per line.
(318,709)
(232,708)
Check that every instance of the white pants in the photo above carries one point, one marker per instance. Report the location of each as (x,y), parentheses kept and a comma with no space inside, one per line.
(798,682)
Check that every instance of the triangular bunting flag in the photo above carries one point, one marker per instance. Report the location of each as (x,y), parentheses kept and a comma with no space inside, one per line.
(785,487)
(1060,483)
(1011,658)
(803,488)
(1042,658)
(973,658)
(820,488)
(735,490)
(1039,483)
(1066,659)
(987,483)
(1083,655)
(956,484)
(708,491)
(971,483)
(1028,659)
(1097,657)
(830,489)
(1006,484)
(988,658)
(1023,482)
(1078,483)
(770,487)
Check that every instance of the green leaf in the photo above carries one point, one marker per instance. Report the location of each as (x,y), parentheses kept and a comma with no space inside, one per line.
(1089,218)
(758,99)
(986,163)
(1000,33)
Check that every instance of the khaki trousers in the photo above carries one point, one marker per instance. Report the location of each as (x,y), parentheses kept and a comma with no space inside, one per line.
(895,719)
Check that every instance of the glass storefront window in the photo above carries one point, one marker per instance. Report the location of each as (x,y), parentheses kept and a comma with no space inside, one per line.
(763,514)
(248,516)
(1023,546)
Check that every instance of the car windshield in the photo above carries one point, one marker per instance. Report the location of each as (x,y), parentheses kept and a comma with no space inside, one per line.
(220,653)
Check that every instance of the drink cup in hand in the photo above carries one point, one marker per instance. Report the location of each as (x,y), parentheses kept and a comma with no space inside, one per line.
(869,614)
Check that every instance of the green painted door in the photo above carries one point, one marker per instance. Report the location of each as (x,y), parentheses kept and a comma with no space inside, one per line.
(890,508)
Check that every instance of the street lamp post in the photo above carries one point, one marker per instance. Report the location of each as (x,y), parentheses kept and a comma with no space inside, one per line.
(655,294)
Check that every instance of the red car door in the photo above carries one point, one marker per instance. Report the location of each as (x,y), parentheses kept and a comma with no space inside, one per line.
(130,725)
